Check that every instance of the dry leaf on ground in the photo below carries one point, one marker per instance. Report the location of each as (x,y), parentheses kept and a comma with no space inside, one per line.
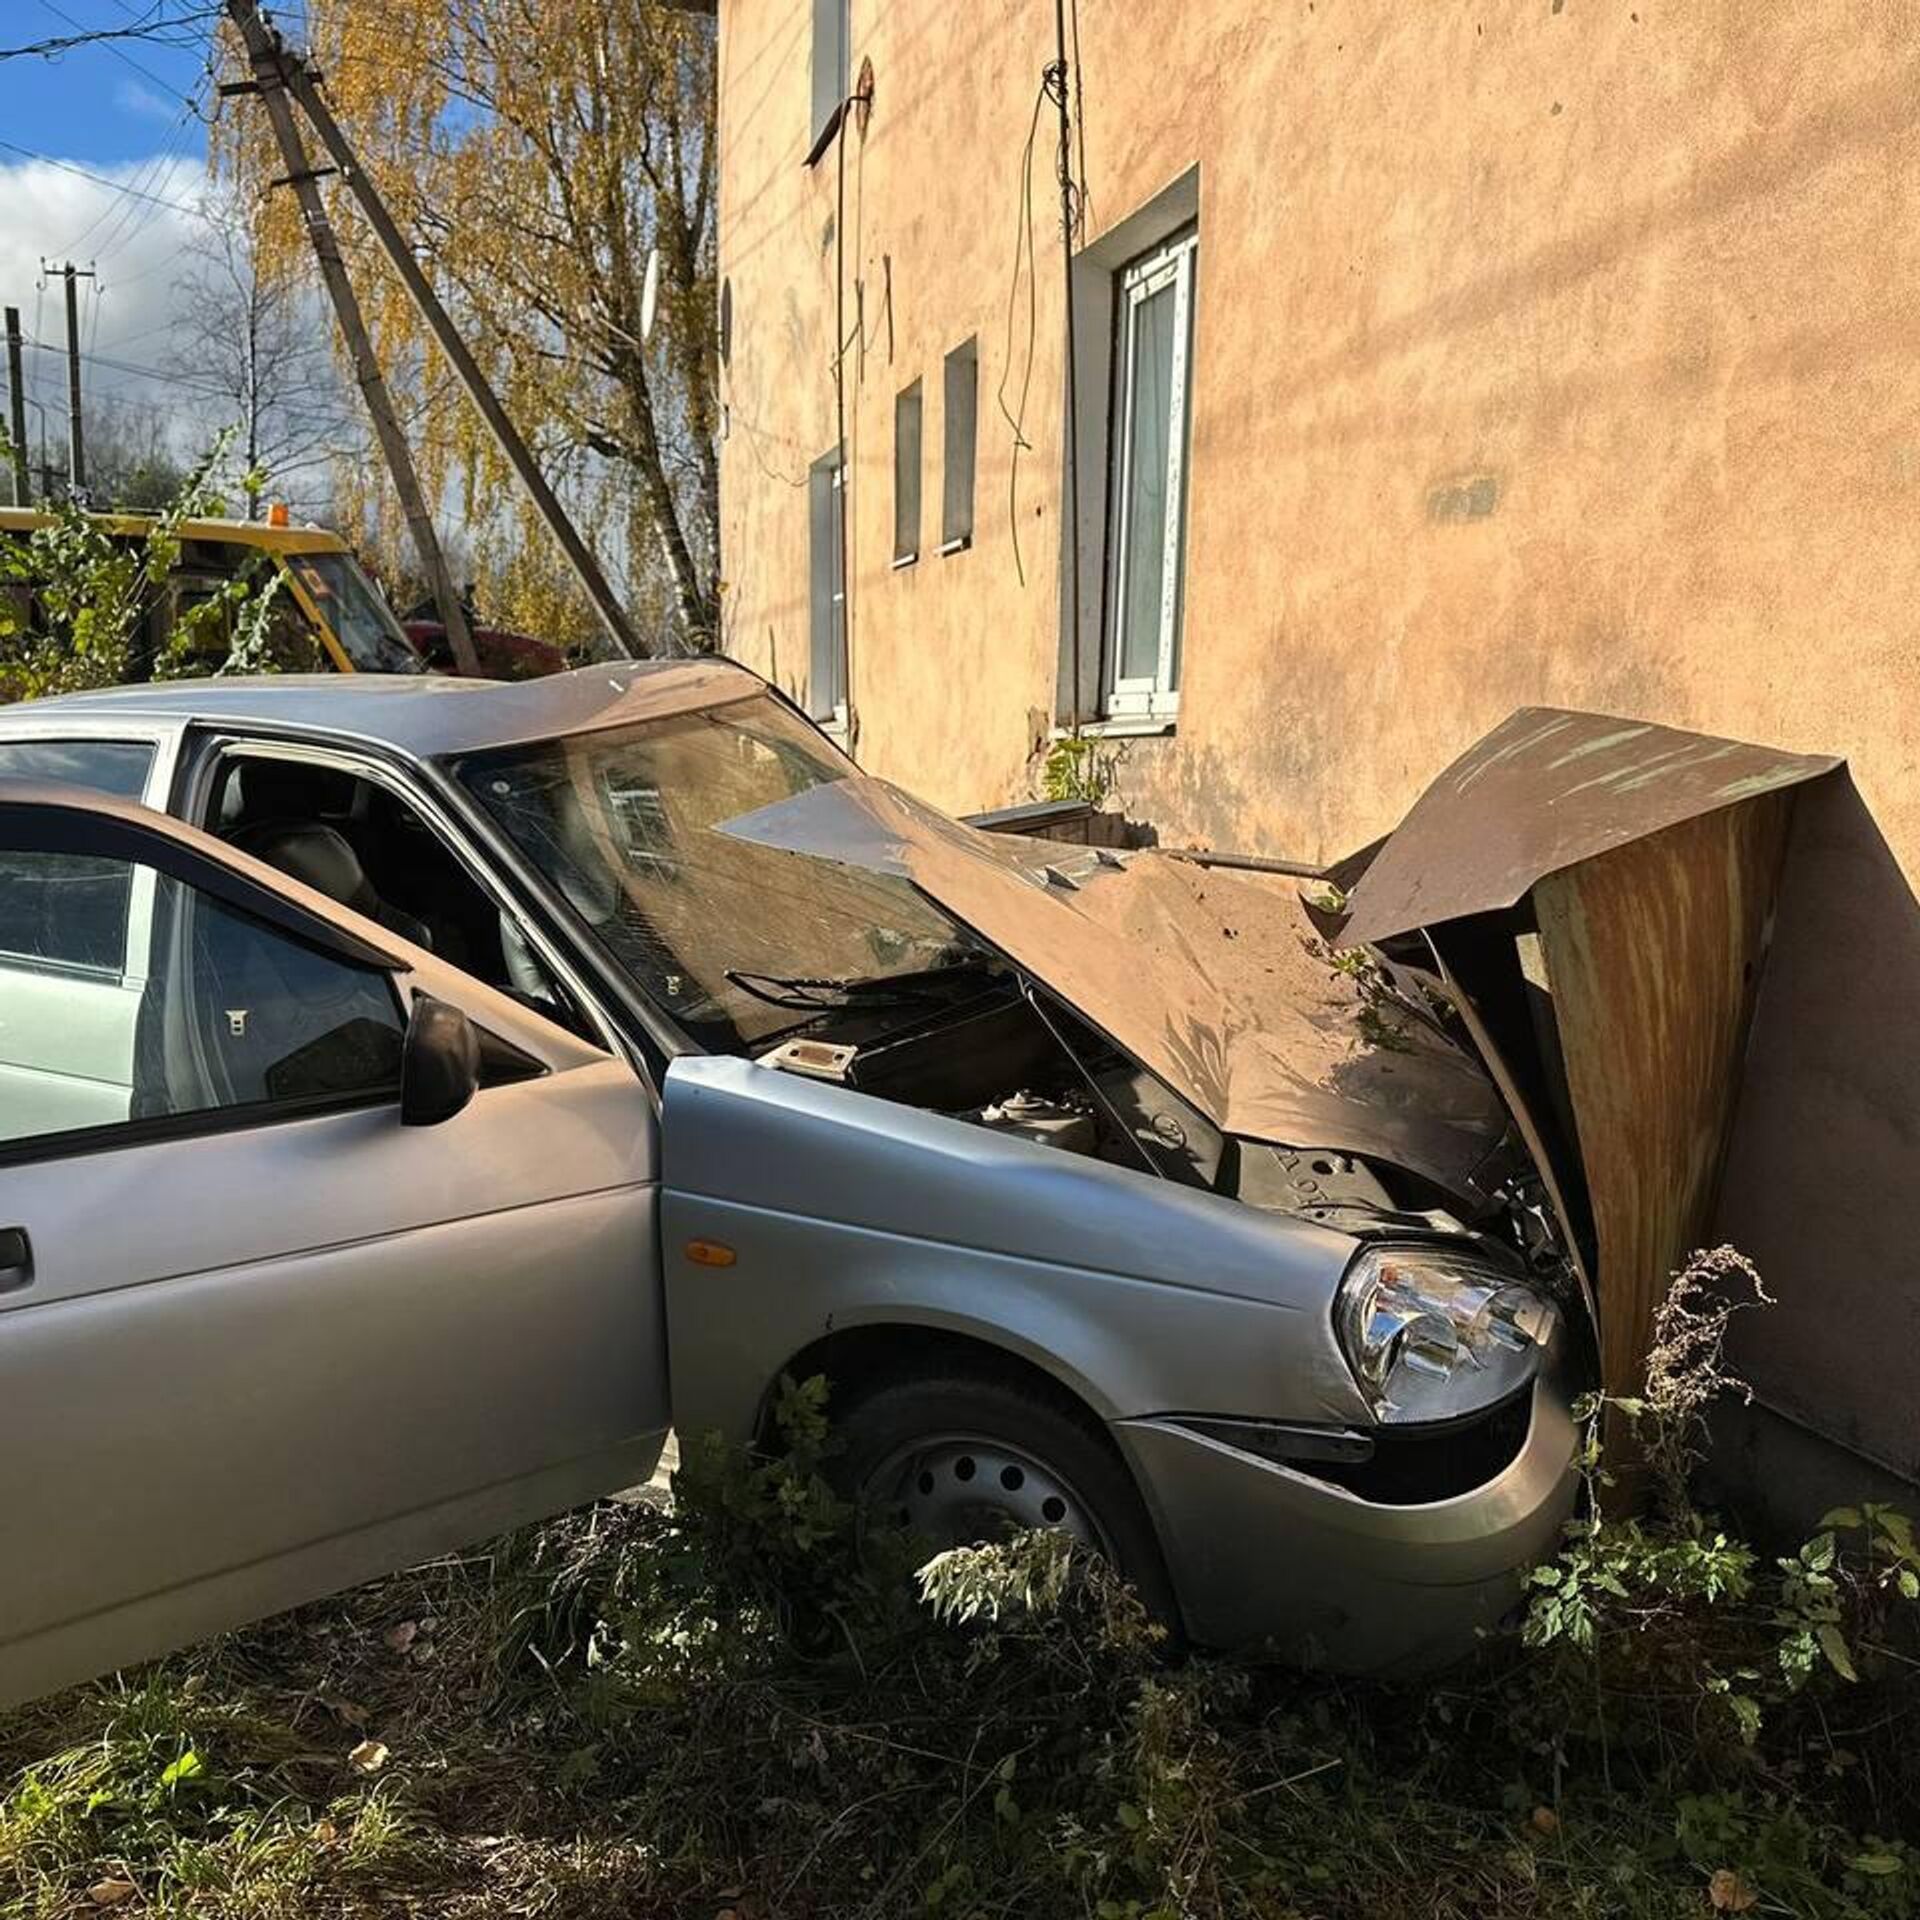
(1729,1893)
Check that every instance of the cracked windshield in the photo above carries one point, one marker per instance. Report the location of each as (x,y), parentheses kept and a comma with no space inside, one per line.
(739,942)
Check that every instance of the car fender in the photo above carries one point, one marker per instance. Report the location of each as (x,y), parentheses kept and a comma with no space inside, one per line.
(795,1208)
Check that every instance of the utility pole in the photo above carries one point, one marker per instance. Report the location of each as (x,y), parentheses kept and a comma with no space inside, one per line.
(270,57)
(76,431)
(17,410)
(271,68)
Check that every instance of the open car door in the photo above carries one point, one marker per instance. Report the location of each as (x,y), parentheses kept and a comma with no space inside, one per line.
(260,1336)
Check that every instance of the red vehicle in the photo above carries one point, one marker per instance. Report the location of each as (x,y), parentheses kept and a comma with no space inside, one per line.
(503,655)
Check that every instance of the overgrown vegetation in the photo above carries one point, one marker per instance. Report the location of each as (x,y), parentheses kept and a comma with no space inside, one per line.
(722,1710)
(80,608)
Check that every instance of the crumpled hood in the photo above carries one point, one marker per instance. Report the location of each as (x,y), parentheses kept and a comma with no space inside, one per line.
(1217,984)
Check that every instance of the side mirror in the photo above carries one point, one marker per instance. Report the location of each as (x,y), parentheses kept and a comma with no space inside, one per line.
(439,1064)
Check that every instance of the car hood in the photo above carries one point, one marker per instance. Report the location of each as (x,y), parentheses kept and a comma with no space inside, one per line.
(1219,985)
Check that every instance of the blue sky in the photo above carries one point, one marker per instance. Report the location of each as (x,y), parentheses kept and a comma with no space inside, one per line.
(104,105)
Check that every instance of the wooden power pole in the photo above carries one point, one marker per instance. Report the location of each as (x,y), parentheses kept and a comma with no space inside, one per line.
(270,75)
(278,73)
(17,410)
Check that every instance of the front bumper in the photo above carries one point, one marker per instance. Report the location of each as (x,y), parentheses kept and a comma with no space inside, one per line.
(1260,1551)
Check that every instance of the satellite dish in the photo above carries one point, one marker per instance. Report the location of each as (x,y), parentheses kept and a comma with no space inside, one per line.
(650,295)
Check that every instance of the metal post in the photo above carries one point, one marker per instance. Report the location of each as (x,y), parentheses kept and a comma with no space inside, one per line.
(17,411)
(271,72)
(393,244)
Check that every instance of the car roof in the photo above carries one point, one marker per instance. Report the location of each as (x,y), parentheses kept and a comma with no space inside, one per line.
(424,714)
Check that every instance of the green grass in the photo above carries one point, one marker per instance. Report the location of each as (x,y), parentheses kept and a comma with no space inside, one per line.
(626,1713)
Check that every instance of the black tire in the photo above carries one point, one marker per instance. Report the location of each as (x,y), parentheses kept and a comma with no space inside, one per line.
(933,1419)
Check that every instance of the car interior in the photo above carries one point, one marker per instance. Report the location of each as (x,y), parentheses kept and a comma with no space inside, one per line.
(359,843)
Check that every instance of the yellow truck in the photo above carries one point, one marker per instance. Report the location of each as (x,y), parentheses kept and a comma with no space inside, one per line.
(330,614)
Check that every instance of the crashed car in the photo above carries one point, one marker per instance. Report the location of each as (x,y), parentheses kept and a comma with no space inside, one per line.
(416,1095)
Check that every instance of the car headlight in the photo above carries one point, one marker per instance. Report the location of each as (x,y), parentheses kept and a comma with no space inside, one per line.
(1433,1333)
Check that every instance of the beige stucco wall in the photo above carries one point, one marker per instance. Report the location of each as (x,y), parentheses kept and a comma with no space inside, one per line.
(1646,272)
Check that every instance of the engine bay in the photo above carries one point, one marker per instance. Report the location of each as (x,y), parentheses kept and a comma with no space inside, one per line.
(983,1045)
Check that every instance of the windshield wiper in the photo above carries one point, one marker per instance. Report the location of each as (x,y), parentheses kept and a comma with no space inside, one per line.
(797,993)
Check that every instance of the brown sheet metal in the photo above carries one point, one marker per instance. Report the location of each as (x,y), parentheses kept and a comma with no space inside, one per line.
(1820,1188)
(1653,954)
(1215,982)
(1546,789)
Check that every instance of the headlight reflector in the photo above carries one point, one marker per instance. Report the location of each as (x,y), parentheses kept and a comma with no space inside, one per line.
(1433,1333)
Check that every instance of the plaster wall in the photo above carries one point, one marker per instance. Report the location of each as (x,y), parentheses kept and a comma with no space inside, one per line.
(1560,352)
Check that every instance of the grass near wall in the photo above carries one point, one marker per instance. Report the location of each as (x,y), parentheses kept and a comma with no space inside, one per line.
(717,1712)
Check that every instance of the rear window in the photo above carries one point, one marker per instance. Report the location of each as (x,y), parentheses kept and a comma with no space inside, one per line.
(71,912)
(116,767)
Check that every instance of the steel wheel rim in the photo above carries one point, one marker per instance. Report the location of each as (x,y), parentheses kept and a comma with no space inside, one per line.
(962,1489)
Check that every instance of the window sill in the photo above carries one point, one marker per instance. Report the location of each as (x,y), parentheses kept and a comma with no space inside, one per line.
(959,544)
(905,560)
(1122,726)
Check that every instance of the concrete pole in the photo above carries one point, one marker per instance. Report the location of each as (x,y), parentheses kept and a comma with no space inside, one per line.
(76,427)
(270,69)
(519,456)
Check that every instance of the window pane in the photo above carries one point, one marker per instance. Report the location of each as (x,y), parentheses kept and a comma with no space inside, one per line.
(183,1004)
(960,399)
(830,82)
(361,620)
(827,646)
(118,767)
(1150,425)
(906,473)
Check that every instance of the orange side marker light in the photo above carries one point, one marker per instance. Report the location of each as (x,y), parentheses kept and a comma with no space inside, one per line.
(710,1253)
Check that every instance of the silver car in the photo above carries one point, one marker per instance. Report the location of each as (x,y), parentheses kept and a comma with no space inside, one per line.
(417,1094)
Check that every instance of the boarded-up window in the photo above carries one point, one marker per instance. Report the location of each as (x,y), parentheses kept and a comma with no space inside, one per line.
(826,582)
(956,482)
(906,475)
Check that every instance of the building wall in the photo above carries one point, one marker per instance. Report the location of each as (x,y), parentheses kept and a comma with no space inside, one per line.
(1562,352)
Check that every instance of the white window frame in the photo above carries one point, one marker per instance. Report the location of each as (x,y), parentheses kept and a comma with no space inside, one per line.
(1170,264)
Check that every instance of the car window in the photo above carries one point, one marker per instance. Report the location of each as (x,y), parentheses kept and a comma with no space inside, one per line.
(193,1008)
(118,767)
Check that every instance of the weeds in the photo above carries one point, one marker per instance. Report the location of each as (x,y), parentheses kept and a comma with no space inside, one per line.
(732,1708)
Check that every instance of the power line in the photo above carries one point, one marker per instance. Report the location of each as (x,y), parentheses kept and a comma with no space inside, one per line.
(101,180)
(158,31)
(119,53)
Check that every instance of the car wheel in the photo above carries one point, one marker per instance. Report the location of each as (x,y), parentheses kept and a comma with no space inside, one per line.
(962,1461)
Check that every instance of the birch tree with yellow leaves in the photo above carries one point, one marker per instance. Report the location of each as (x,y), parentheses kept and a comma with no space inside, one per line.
(537,152)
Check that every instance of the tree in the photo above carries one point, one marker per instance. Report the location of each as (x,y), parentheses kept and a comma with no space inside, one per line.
(252,338)
(131,463)
(537,154)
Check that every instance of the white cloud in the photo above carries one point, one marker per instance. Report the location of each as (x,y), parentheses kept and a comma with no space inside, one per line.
(136,226)
(136,247)
(131,97)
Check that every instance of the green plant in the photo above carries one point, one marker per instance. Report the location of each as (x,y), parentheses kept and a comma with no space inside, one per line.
(733,1705)
(1080,767)
(74,598)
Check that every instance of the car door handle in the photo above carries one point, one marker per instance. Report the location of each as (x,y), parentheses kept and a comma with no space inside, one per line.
(16,1259)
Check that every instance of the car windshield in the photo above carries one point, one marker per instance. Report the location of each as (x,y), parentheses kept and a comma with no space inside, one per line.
(361,620)
(735,940)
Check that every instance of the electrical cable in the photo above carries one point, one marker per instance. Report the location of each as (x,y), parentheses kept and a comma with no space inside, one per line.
(1023,238)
